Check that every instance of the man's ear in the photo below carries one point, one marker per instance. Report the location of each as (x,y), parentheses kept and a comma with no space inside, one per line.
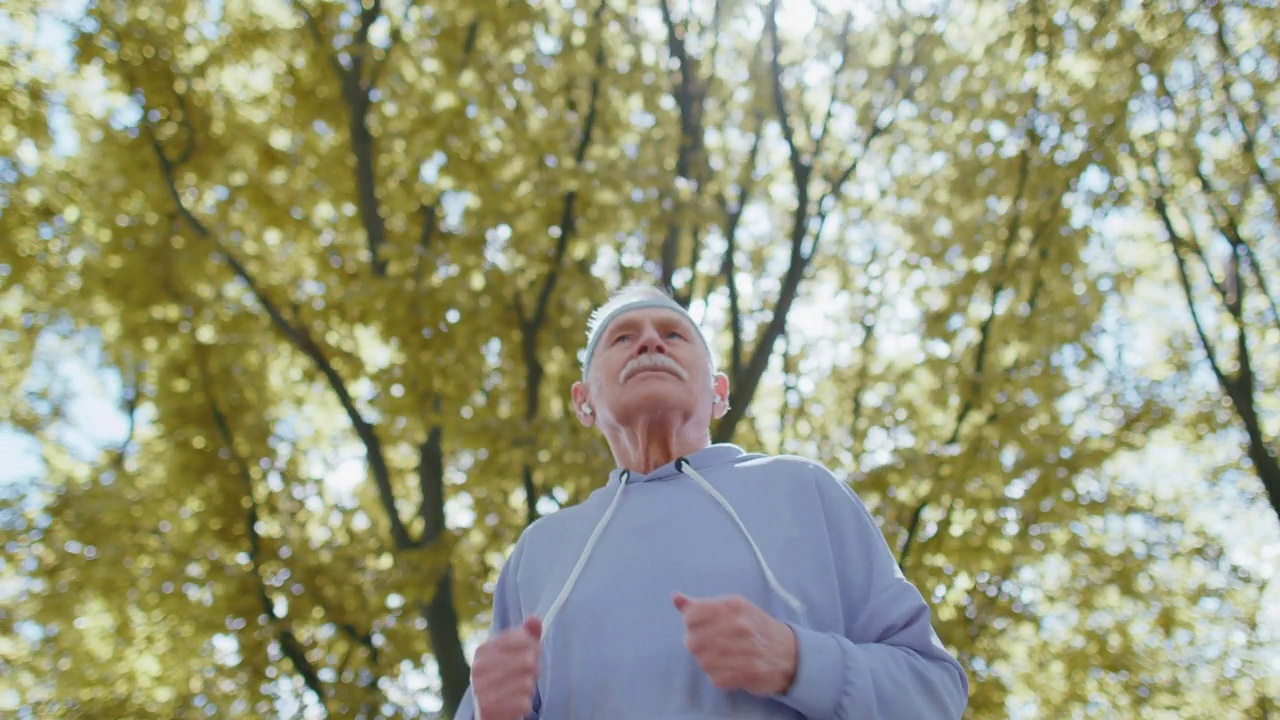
(720,386)
(581,406)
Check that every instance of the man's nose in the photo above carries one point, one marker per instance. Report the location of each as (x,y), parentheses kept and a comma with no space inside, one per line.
(651,341)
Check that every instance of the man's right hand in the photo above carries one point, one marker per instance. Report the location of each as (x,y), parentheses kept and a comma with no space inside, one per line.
(505,672)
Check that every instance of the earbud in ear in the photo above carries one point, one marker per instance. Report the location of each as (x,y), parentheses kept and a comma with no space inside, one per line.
(586,410)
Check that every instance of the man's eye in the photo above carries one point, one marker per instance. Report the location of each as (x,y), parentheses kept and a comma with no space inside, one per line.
(675,334)
(620,338)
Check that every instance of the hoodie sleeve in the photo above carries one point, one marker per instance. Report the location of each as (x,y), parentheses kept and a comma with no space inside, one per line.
(888,664)
(507,613)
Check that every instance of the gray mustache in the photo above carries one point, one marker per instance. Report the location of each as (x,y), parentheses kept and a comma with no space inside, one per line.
(650,361)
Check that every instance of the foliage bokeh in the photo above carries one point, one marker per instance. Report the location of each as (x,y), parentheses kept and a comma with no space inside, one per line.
(334,261)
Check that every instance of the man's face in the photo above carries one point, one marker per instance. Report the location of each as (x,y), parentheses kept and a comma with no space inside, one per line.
(648,361)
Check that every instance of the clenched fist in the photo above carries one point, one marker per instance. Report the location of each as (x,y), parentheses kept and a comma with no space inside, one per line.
(738,645)
(505,672)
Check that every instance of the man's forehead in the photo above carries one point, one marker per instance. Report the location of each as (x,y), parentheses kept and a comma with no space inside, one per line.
(642,315)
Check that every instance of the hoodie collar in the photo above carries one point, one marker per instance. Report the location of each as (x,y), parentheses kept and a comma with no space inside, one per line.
(710,456)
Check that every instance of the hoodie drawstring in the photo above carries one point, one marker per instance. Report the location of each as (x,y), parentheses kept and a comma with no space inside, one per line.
(685,467)
(586,551)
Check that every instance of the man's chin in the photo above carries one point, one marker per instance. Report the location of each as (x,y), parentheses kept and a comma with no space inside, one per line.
(656,401)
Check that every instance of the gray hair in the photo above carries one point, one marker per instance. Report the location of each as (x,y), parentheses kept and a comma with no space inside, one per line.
(635,296)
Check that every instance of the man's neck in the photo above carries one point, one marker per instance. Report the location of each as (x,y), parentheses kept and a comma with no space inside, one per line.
(644,450)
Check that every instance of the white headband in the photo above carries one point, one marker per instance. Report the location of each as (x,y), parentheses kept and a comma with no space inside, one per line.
(649,302)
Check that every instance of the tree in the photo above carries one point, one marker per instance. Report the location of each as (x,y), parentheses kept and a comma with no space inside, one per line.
(1201,159)
(334,261)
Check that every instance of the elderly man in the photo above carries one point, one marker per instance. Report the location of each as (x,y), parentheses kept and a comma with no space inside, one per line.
(701,581)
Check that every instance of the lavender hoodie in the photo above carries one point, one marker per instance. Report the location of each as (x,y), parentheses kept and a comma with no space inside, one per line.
(780,531)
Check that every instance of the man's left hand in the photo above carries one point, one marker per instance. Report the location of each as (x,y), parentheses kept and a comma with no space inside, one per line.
(738,645)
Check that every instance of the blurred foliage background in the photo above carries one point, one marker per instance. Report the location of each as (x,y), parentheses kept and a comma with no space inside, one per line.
(292,293)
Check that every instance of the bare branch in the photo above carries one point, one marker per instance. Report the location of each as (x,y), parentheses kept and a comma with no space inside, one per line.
(836,185)
(395,36)
(473,31)
(531,494)
(913,525)
(370,11)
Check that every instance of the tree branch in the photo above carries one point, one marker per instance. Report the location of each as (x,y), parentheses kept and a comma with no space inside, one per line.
(531,324)
(441,614)
(431,485)
(716,35)
(733,217)
(1240,387)
(868,322)
(845,35)
(356,88)
(1225,291)
(836,185)
(1259,276)
(1002,272)
(300,339)
(744,386)
(690,98)
(913,528)
(290,646)
(313,28)
(789,389)
(1162,209)
(913,525)
(394,39)
(1250,136)
(799,169)
(1228,226)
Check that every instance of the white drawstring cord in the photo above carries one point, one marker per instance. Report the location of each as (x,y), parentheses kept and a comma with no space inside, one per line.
(582,561)
(684,466)
(586,551)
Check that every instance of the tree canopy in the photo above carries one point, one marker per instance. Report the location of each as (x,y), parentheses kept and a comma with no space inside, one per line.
(293,293)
